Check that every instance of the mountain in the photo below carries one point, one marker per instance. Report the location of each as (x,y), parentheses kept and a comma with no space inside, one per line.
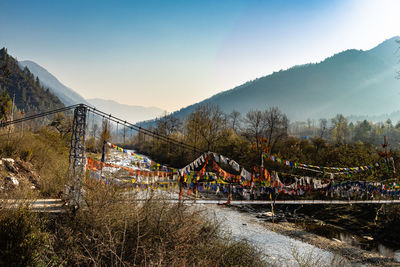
(67,95)
(70,97)
(29,93)
(353,82)
(129,113)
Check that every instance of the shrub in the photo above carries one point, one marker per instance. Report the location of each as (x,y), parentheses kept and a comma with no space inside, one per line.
(22,239)
(114,231)
(26,154)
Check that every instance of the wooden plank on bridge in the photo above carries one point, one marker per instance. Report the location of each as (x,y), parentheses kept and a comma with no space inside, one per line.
(39,205)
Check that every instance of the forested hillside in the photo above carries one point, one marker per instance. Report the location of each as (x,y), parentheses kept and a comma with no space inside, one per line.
(30,95)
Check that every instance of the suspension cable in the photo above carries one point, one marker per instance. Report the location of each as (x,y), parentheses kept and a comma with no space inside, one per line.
(36,116)
(105,116)
(145,131)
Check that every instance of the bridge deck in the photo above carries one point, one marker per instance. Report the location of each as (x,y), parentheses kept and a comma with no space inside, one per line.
(294,202)
(56,205)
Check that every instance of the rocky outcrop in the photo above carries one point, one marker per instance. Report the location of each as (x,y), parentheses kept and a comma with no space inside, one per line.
(17,174)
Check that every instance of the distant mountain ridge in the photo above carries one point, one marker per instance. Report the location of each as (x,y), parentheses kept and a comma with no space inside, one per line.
(353,82)
(129,113)
(67,95)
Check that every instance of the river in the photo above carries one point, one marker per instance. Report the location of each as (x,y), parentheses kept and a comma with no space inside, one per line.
(278,249)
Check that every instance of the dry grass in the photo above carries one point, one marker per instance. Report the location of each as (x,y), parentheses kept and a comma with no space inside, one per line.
(311,259)
(115,231)
(47,152)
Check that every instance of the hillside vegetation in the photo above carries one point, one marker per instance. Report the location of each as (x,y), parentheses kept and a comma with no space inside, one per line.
(30,95)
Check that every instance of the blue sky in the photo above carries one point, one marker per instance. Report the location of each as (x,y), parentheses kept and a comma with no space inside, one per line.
(173,53)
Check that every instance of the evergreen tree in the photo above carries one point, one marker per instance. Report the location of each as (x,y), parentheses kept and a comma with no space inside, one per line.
(5,106)
(29,94)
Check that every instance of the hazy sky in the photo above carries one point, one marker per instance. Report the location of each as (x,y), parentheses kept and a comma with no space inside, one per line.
(173,53)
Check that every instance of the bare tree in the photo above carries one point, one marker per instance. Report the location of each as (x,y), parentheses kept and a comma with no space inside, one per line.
(254,128)
(192,126)
(95,129)
(340,131)
(323,126)
(168,124)
(234,118)
(105,133)
(205,124)
(276,124)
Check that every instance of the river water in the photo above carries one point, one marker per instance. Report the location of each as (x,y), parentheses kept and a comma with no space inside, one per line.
(275,247)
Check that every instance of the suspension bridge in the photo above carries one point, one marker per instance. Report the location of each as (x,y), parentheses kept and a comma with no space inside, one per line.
(78,166)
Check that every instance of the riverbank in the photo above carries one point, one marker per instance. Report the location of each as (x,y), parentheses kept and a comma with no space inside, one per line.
(352,254)
(277,249)
(379,223)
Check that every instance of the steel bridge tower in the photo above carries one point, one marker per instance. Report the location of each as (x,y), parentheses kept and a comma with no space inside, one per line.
(77,158)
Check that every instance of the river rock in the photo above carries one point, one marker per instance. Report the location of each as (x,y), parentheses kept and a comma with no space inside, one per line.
(268,214)
(10,160)
(12,180)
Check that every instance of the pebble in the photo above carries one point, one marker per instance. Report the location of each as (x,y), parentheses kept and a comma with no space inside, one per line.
(268,213)
(368,237)
(13,180)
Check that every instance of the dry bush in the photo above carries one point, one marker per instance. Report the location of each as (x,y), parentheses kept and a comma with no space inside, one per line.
(92,145)
(23,240)
(115,231)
